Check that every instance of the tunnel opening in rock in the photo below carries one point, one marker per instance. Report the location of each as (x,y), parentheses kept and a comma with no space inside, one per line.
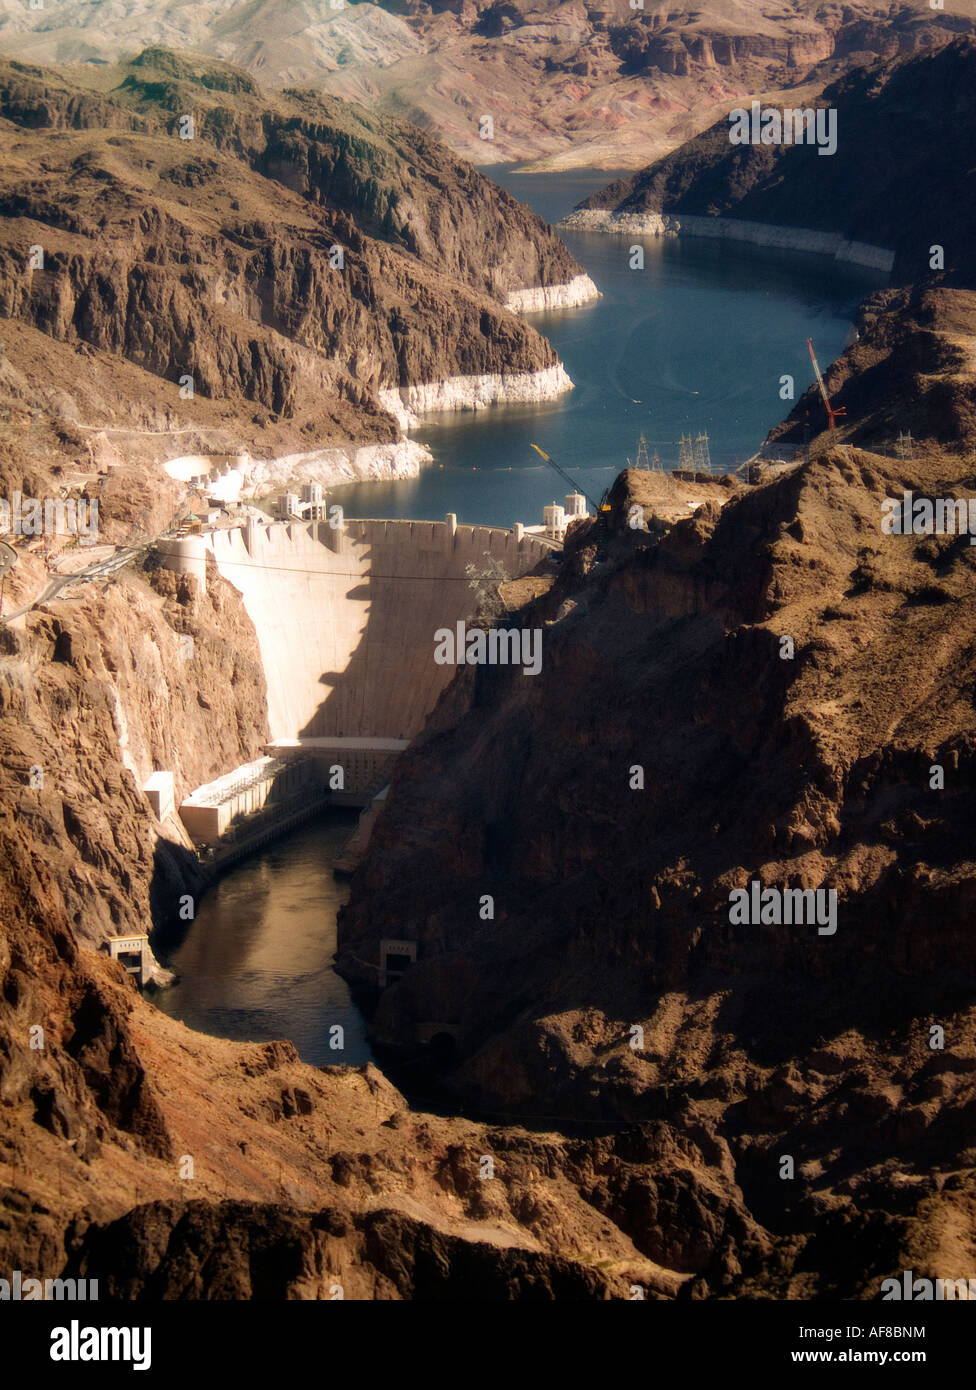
(442,1051)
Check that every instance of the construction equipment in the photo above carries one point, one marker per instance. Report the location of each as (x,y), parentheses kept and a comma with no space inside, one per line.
(602,506)
(832,413)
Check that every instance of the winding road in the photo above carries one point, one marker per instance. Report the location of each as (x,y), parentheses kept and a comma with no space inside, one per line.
(56,583)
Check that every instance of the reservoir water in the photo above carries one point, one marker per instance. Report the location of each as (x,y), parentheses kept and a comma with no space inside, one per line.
(696,342)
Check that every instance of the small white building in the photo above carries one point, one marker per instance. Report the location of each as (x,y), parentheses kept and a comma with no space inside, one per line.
(135,954)
(575,506)
(554,521)
(313,502)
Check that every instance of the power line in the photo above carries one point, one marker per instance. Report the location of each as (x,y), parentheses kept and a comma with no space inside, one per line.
(331,574)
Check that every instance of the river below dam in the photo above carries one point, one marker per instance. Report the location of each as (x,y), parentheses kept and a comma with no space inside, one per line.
(695,343)
(256,962)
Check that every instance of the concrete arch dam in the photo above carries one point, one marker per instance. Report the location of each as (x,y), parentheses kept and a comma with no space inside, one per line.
(345,618)
(345,621)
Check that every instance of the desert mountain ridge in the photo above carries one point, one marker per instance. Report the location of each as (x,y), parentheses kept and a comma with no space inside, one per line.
(901,176)
(571,83)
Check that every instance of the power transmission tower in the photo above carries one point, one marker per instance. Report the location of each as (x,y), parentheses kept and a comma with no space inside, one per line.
(656,464)
(686,457)
(904,446)
(703,459)
(642,454)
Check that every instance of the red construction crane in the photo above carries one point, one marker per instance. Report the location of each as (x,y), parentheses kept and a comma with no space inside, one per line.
(832,414)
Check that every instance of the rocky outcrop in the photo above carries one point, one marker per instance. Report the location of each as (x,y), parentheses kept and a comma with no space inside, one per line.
(876,188)
(908,371)
(114,667)
(154,1253)
(785,681)
(283,267)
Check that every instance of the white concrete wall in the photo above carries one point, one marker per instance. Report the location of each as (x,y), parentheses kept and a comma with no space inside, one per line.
(159,790)
(186,555)
(731,229)
(570,295)
(346,620)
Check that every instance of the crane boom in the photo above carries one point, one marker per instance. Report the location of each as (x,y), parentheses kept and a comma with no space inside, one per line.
(597,506)
(832,412)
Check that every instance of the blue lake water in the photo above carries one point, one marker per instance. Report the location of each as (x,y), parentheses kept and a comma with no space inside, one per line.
(696,342)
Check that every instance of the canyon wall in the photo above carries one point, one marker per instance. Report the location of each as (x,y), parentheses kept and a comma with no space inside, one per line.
(666,755)
(269,284)
(879,187)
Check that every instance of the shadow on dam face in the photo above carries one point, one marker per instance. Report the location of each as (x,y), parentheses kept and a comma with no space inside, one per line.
(346,618)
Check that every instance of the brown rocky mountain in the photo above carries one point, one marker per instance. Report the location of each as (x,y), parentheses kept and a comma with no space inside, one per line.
(660,1164)
(215,258)
(572,82)
(612,904)
(840,759)
(902,176)
(612,911)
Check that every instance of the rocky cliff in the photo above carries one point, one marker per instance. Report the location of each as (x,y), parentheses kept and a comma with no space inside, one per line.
(905,145)
(909,372)
(753,683)
(103,1098)
(160,1161)
(609,833)
(578,84)
(260,284)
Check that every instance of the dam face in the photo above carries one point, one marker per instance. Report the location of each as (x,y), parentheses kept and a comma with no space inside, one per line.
(346,617)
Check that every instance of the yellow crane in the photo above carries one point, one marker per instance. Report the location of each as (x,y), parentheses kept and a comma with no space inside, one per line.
(602,506)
